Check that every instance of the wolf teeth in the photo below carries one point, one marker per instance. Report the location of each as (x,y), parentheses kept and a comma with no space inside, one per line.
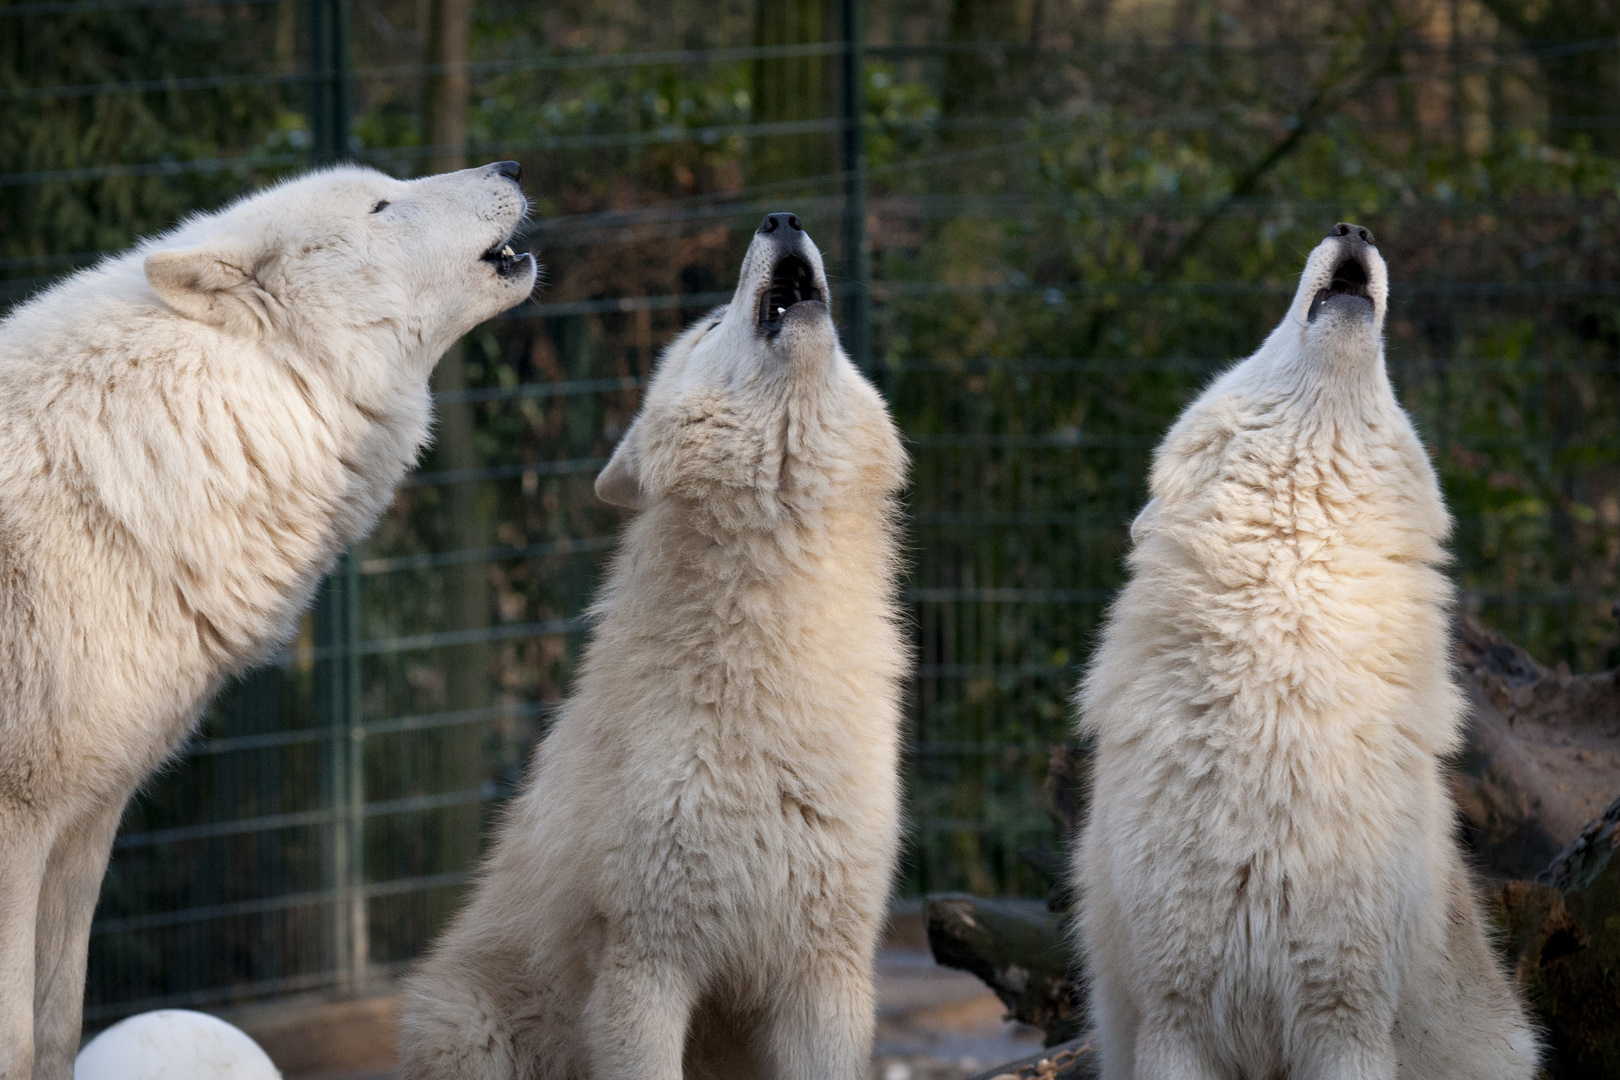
(508,252)
(780,310)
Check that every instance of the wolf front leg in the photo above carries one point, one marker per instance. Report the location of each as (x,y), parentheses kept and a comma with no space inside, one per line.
(22,866)
(1167,1049)
(637,1017)
(819,1026)
(1107,947)
(1114,1021)
(1343,1036)
(1354,1059)
(67,902)
(450,1030)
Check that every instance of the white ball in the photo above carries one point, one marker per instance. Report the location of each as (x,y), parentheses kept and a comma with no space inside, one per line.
(173,1044)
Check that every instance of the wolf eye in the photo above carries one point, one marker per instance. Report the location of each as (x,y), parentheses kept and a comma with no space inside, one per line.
(382,204)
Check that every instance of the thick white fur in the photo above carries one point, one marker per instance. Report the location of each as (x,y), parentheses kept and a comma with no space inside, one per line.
(699,864)
(1271,883)
(189,434)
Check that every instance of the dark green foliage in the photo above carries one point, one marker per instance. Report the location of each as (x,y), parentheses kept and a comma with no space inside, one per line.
(102,139)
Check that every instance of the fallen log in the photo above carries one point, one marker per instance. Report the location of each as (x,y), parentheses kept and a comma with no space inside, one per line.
(1563,933)
(1019,949)
(1542,756)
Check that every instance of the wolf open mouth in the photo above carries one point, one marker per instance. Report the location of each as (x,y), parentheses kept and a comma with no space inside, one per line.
(1349,279)
(505,261)
(792,282)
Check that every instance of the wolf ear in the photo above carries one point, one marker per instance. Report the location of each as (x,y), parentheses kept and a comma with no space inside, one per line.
(620,483)
(211,285)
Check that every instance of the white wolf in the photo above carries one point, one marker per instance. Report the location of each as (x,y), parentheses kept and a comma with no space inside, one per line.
(1271,885)
(699,864)
(189,434)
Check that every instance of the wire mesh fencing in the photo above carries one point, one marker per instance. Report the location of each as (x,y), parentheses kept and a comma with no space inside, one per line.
(1046,227)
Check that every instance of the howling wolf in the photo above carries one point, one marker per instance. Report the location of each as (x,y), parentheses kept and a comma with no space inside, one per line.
(189,434)
(1272,886)
(698,867)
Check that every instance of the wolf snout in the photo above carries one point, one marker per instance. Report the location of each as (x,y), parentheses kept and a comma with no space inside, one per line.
(791,273)
(782,224)
(1355,234)
(509,169)
(1353,252)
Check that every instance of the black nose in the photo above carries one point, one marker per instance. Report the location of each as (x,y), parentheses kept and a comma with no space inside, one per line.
(1355,232)
(773,222)
(510,169)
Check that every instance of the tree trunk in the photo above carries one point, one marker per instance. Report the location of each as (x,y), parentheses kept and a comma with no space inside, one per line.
(985,89)
(794,88)
(1582,80)
(462,764)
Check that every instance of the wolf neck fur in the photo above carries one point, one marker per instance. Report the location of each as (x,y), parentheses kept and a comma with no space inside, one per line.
(813,587)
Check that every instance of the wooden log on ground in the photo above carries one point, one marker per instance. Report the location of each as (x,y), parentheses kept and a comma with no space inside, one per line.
(1542,755)
(1019,949)
(1564,933)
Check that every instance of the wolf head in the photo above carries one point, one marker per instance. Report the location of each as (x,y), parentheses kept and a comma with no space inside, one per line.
(755,411)
(1338,310)
(352,256)
(1316,388)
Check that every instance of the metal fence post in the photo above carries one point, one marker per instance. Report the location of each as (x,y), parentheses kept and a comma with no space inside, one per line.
(351,906)
(337,621)
(337,687)
(330,76)
(856,253)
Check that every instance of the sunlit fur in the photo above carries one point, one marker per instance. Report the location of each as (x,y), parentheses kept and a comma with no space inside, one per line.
(699,864)
(189,434)
(1271,882)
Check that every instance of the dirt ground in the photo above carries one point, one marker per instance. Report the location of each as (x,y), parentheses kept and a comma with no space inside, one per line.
(933,1024)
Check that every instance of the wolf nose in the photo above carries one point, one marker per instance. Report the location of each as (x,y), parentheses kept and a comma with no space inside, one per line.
(773,222)
(1355,232)
(510,169)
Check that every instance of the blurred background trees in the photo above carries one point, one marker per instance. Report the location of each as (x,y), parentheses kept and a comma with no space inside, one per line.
(1077,211)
